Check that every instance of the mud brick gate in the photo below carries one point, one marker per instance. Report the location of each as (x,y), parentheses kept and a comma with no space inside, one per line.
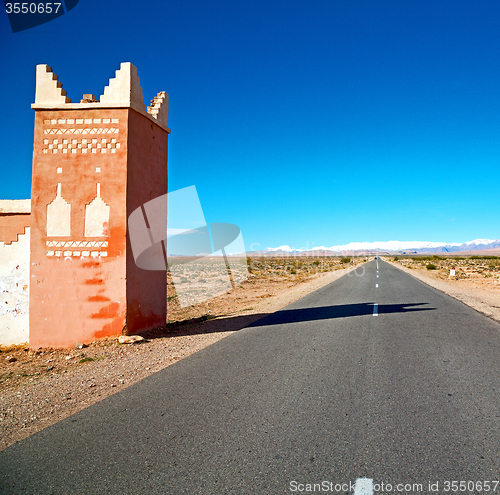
(94,162)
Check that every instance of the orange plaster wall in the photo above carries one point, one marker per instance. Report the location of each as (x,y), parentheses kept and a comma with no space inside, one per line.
(12,225)
(78,299)
(147,179)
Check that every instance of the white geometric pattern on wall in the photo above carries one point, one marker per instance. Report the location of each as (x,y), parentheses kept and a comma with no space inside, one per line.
(96,216)
(85,130)
(61,248)
(78,244)
(91,145)
(78,254)
(58,216)
(80,121)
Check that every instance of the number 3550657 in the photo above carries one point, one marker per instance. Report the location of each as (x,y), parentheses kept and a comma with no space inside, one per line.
(32,8)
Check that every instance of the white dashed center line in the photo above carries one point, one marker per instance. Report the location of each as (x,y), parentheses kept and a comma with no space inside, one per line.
(362,481)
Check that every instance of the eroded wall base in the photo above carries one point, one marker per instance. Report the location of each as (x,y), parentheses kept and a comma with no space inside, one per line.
(14,290)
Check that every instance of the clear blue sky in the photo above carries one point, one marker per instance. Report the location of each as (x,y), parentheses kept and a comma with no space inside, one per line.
(305,123)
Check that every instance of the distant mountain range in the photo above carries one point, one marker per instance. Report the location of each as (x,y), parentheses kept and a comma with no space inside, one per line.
(389,247)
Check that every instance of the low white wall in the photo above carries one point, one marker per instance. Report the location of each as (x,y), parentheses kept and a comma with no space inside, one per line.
(14,290)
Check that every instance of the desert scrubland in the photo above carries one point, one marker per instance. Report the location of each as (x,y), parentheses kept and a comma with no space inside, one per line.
(267,278)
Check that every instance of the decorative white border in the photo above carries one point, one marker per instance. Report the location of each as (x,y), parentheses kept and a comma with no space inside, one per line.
(83,130)
(92,145)
(79,254)
(80,121)
(67,244)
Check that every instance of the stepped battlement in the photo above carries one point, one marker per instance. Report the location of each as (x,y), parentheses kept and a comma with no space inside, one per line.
(123,91)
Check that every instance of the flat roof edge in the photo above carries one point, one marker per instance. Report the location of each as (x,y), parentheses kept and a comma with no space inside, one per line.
(15,205)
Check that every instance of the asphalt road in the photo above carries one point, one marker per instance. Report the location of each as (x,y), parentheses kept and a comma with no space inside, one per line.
(323,391)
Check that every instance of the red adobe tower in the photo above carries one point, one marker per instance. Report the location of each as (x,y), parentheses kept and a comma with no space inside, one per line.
(94,162)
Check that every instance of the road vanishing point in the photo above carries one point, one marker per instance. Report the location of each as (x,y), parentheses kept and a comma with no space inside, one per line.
(375,377)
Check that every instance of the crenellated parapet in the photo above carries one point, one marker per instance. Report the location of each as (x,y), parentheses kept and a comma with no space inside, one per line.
(48,88)
(123,91)
(125,88)
(159,108)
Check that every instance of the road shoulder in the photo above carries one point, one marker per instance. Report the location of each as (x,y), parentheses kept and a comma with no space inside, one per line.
(482,300)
